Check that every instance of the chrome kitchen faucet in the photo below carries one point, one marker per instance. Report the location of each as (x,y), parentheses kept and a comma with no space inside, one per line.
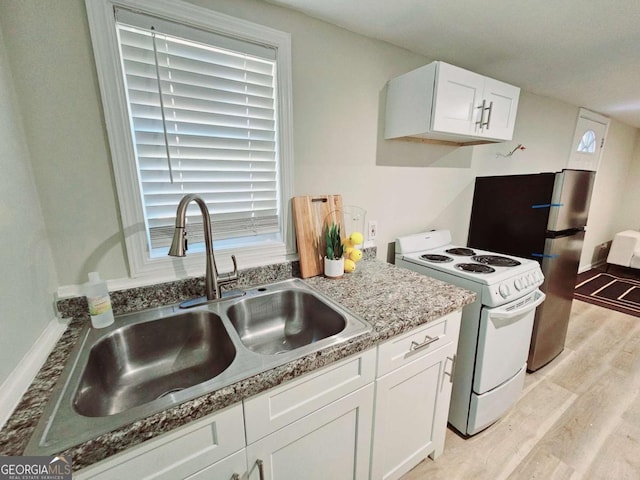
(213,281)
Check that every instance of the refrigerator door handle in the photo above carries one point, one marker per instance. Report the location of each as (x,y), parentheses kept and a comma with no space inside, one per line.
(547,205)
(545,255)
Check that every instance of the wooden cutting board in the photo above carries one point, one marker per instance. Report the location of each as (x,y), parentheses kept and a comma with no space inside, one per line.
(311,213)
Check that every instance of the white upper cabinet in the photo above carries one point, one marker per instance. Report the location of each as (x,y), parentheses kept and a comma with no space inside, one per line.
(445,103)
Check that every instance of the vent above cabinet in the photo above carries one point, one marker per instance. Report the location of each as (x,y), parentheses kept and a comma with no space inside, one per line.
(442,103)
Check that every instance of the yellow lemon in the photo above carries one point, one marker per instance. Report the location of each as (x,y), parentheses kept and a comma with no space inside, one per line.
(349,265)
(346,243)
(347,251)
(356,238)
(355,255)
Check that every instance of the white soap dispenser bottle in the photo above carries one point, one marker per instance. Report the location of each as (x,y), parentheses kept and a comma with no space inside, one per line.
(99,301)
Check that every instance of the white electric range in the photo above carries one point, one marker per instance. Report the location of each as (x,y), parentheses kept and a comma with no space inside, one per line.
(496,329)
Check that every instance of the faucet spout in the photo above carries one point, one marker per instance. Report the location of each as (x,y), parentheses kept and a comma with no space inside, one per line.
(213,282)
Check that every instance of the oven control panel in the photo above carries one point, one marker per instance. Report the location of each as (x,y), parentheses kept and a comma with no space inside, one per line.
(518,285)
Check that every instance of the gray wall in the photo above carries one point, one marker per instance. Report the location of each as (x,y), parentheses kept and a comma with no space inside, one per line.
(27,278)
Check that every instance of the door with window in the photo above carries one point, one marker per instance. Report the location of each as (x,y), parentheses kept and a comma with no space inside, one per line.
(588,141)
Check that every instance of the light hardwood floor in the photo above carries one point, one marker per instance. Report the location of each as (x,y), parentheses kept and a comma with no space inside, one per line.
(578,417)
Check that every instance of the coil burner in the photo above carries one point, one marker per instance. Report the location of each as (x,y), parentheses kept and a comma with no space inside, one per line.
(462,251)
(496,260)
(434,257)
(475,268)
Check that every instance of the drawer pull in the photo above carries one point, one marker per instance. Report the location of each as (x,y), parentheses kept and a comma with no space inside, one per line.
(235,476)
(415,346)
(260,468)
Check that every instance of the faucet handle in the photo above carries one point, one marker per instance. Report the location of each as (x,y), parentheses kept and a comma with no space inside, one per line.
(234,274)
(230,276)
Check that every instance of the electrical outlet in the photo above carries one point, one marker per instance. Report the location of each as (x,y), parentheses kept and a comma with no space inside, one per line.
(372,230)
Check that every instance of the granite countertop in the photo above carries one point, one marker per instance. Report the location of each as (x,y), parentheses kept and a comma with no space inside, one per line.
(391,299)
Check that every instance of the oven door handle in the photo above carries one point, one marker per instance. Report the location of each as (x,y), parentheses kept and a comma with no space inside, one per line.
(505,313)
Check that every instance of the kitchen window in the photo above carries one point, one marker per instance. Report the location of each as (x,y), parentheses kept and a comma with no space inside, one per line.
(195,102)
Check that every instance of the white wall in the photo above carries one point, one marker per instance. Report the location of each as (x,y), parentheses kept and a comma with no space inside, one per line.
(615,204)
(338,88)
(627,215)
(28,275)
(52,62)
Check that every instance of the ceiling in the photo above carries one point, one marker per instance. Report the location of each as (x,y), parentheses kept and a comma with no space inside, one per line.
(583,52)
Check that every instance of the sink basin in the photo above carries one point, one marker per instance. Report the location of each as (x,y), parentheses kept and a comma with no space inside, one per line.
(136,364)
(283,321)
(153,360)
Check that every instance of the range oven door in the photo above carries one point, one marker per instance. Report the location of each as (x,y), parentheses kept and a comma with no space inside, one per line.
(503,341)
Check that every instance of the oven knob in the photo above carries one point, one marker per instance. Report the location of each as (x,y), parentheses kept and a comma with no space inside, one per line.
(504,290)
(518,284)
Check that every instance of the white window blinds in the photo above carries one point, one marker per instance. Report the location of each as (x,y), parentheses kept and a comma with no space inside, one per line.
(204,120)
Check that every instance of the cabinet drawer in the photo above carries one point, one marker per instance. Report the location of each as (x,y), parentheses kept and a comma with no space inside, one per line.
(177,454)
(418,342)
(291,401)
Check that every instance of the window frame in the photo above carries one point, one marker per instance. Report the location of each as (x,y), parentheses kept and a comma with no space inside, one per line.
(102,26)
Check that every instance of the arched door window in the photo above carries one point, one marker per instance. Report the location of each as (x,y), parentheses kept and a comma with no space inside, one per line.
(587,143)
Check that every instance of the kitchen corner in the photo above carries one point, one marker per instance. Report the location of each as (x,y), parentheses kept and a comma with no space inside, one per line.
(391,299)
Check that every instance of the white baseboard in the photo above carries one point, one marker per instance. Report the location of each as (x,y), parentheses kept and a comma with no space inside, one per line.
(586,268)
(16,384)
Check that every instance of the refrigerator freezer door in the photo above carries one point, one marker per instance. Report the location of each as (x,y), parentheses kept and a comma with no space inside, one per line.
(560,269)
(503,217)
(571,199)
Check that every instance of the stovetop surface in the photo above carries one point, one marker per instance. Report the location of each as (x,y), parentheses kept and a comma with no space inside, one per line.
(481,266)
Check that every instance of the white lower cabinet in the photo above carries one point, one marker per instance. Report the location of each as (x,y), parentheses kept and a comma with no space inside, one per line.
(177,454)
(331,443)
(412,401)
(319,426)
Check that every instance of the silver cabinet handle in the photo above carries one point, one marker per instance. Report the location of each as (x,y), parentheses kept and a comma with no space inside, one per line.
(489,115)
(453,368)
(482,108)
(415,346)
(260,464)
(235,476)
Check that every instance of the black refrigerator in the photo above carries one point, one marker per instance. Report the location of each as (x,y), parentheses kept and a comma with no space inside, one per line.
(540,216)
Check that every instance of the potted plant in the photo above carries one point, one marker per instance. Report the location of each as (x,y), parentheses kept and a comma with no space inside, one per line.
(333,261)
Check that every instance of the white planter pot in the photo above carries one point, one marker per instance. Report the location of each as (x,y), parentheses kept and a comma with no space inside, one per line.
(333,268)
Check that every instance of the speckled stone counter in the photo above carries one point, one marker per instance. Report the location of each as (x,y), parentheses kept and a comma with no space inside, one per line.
(391,299)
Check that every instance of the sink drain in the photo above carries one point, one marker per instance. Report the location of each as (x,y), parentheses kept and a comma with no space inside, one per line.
(169,392)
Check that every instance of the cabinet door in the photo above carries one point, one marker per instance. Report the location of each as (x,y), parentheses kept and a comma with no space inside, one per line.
(333,443)
(502,99)
(412,405)
(458,94)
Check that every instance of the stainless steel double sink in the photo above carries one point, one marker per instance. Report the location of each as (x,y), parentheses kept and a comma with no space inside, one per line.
(149,361)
